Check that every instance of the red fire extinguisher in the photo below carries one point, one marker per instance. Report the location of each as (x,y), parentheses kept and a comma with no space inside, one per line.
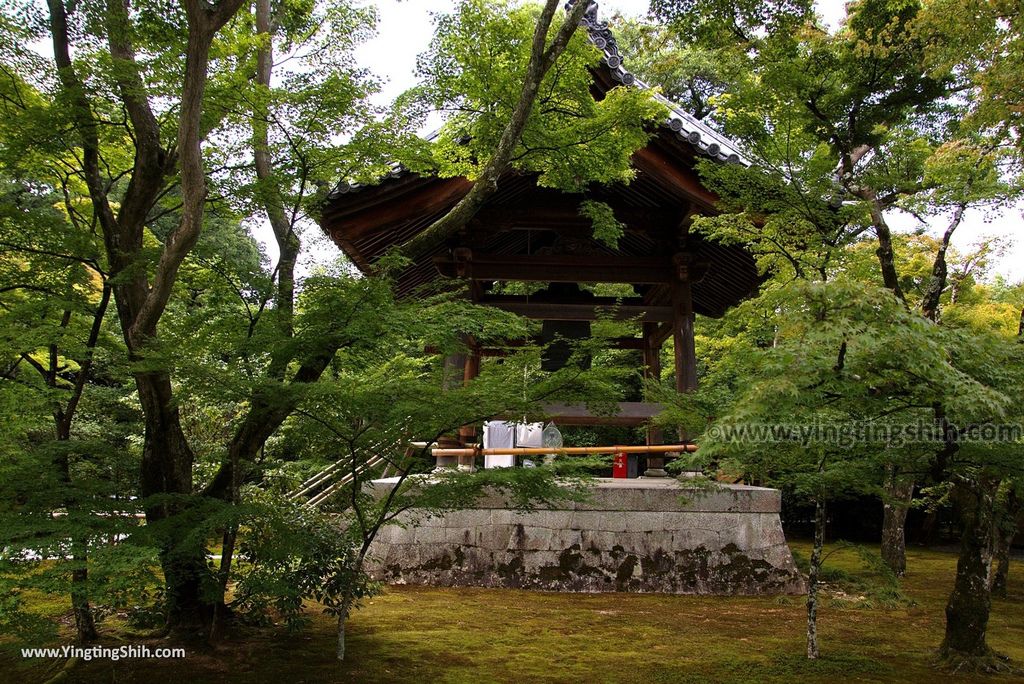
(620,465)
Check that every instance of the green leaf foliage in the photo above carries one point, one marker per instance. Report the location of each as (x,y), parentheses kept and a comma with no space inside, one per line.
(472,73)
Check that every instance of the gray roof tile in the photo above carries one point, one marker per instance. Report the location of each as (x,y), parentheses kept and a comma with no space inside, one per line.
(688,127)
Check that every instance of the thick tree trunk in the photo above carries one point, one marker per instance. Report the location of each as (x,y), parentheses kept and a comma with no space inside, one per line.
(967,610)
(166,488)
(812,579)
(899,491)
(928,530)
(165,478)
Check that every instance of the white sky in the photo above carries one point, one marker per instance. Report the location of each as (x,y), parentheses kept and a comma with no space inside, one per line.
(405,28)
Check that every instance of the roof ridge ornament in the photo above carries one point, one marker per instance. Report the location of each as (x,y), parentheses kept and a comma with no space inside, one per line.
(687,127)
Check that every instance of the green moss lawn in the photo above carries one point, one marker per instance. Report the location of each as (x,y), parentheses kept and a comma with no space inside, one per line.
(426,635)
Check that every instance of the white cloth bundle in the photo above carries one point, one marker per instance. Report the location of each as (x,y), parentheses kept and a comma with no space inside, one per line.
(499,434)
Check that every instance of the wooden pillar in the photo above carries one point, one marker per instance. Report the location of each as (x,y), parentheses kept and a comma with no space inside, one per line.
(683,339)
(683,343)
(652,370)
(453,376)
(467,433)
(682,335)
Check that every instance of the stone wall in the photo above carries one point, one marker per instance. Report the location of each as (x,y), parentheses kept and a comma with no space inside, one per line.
(633,535)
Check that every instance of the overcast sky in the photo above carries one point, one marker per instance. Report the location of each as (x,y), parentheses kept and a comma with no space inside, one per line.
(405,29)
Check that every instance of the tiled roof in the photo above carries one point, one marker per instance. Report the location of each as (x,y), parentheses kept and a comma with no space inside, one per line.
(699,135)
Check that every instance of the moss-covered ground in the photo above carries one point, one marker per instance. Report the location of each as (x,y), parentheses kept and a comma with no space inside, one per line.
(425,635)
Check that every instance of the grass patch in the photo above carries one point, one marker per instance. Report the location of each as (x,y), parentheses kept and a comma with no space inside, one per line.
(854,576)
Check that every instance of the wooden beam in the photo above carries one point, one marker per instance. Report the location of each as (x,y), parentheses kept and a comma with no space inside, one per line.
(673,176)
(558,212)
(626,343)
(612,343)
(556,268)
(599,307)
(630,414)
(392,209)
(662,333)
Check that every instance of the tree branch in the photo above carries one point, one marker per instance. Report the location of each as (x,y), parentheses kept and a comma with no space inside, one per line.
(540,62)
(204,21)
(937,282)
(85,365)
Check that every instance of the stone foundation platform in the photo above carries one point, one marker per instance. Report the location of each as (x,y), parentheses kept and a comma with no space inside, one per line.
(640,535)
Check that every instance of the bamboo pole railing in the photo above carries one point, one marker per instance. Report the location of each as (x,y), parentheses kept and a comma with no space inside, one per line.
(567,451)
(326,474)
(333,489)
(325,481)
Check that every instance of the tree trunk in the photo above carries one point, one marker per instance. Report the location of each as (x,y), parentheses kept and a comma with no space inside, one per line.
(885,252)
(1006,530)
(967,611)
(339,650)
(227,552)
(928,531)
(812,579)
(166,472)
(899,492)
(1002,558)
(346,609)
(347,603)
(85,625)
(270,195)
(166,488)
(937,283)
